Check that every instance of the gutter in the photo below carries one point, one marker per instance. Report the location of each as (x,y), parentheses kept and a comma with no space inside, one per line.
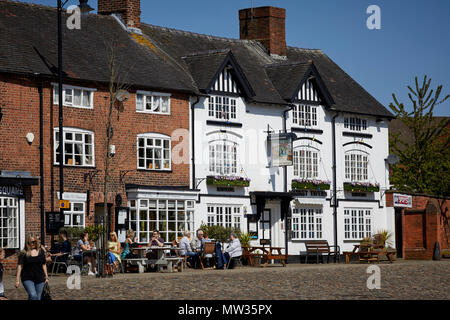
(41,158)
(193,140)
(335,202)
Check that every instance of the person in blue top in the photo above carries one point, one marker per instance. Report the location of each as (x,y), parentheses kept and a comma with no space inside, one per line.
(129,242)
(64,249)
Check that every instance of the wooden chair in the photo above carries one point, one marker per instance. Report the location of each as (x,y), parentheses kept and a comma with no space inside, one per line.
(182,265)
(209,248)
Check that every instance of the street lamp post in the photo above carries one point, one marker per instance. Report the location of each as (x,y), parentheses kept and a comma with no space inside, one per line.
(84,9)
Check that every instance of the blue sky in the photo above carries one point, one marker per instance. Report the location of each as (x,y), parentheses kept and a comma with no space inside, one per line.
(413,39)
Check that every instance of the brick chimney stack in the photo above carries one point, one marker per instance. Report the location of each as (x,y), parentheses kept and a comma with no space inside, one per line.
(130,10)
(266,25)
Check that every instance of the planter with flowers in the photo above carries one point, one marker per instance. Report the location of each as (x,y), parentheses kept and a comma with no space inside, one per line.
(304,184)
(361,187)
(227,181)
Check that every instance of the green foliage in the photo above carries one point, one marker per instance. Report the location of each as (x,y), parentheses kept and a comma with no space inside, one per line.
(424,163)
(386,237)
(245,239)
(73,233)
(220,233)
(94,232)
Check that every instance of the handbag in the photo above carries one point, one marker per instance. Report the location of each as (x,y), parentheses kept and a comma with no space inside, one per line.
(46,293)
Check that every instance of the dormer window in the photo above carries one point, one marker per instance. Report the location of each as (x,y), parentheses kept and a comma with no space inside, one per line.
(152,102)
(222,108)
(355,124)
(304,115)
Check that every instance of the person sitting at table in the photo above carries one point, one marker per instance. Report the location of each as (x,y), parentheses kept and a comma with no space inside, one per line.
(113,253)
(156,241)
(62,250)
(127,254)
(89,258)
(234,250)
(198,242)
(186,250)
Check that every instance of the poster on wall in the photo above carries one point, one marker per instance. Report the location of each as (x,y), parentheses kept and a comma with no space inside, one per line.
(281,149)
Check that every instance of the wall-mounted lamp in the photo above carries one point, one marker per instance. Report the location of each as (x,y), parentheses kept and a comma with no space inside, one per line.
(30,137)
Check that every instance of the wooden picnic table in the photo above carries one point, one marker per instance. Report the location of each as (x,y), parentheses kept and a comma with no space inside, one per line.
(368,253)
(268,253)
(160,261)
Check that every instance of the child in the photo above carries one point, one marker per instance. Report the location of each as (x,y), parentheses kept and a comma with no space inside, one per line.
(2,291)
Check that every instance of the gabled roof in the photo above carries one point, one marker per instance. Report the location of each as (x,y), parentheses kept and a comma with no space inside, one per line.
(28,45)
(282,75)
(155,59)
(206,67)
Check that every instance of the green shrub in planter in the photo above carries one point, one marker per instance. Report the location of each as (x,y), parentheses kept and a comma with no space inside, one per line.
(220,233)
(302,184)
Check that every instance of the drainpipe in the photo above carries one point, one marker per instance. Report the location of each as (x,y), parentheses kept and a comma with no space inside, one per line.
(335,202)
(41,158)
(286,240)
(193,140)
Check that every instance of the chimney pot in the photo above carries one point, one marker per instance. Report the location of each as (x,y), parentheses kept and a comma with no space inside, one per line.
(266,25)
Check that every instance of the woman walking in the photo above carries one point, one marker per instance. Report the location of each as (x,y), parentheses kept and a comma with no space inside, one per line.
(31,268)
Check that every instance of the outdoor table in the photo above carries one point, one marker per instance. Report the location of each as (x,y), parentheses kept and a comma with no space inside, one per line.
(268,253)
(161,258)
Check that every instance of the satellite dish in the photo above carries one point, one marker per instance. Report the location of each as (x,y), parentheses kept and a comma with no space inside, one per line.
(122,95)
(393,159)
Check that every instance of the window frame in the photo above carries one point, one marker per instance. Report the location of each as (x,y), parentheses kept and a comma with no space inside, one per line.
(231,215)
(351,172)
(73,88)
(232,157)
(216,104)
(301,223)
(162,214)
(154,136)
(359,225)
(305,115)
(74,131)
(297,163)
(72,212)
(8,203)
(355,124)
(145,95)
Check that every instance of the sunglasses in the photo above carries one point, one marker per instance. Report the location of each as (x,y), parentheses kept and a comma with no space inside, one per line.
(33,242)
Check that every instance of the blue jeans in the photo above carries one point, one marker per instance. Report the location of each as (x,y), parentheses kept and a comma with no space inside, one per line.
(33,289)
(193,257)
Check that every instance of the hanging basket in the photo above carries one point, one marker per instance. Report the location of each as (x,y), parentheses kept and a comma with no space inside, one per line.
(315,185)
(227,181)
(361,187)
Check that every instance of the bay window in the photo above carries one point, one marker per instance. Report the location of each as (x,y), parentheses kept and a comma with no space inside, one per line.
(170,217)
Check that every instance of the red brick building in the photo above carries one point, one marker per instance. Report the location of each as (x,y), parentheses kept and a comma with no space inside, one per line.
(421,221)
(144,133)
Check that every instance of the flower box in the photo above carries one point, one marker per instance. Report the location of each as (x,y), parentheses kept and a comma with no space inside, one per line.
(227,181)
(361,187)
(301,184)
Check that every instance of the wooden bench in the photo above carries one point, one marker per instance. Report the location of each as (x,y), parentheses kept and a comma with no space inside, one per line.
(178,263)
(140,262)
(320,247)
(369,253)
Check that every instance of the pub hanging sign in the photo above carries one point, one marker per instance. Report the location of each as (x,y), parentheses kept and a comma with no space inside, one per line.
(281,149)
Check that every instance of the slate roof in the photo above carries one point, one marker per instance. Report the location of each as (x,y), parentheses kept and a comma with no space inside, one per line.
(155,59)
(27,29)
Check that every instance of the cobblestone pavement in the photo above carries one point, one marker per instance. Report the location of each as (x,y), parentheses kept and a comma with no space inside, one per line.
(400,280)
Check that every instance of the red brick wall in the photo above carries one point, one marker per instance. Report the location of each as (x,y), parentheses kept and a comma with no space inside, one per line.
(423,226)
(130,10)
(266,25)
(19,100)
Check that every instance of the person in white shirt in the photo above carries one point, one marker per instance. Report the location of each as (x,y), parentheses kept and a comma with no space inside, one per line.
(186,250)
(234,249)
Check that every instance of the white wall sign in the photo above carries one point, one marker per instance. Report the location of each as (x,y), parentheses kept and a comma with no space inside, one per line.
(401,200)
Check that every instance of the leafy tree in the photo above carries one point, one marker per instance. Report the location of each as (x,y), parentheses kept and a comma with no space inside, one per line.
(424,163)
